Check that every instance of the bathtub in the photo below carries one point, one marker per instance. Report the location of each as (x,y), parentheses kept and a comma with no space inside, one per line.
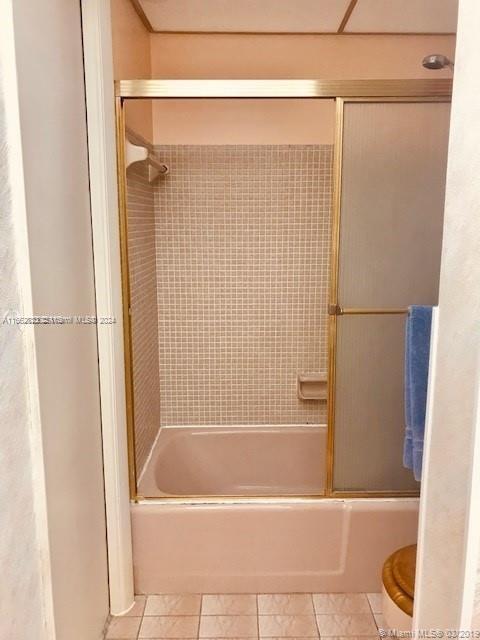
(236,461)
(268,546)
(236,544)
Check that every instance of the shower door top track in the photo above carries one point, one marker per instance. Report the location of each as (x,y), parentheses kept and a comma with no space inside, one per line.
(278,89)
(421,90)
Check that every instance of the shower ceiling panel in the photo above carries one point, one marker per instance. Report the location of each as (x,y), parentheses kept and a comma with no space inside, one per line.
(299,16)
(406,16)
(249,15)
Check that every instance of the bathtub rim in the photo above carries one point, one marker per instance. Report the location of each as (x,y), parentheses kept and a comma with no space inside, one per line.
(364,496)
(276,499)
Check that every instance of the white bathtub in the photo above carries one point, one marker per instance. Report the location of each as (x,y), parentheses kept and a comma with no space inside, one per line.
(268,546)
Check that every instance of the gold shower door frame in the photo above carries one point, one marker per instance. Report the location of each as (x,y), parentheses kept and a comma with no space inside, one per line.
(334,308)
(341,91)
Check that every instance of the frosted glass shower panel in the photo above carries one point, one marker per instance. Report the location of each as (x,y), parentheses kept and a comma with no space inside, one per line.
(393,192)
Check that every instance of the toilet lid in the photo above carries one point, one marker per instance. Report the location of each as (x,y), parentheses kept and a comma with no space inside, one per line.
(398,577)
(403,568)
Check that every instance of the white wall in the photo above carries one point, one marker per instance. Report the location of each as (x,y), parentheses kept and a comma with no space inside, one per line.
(25,590)
(450,516)
(52,115)
(97,39)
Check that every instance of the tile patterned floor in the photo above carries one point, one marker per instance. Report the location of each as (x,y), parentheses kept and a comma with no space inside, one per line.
(292,616)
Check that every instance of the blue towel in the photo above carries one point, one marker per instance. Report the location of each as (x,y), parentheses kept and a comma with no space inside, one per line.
(417,355)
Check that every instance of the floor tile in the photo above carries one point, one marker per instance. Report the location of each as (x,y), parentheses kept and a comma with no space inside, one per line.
(380,621)
(346,625)
(285,626)
(229,604)
(138,607)
(341,603)
(228,627)
(173,605)
(285,603)
(123,628)
(375,600)
(336,616)
(169,627)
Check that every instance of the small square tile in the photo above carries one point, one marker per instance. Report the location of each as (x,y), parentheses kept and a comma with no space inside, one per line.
(169,627)
(229,605)
(285,626)
(224,183)
(138,607)
(359,624)
(285,603)
(341,603)
(173,605)
(375,600)
(228,627)
(123,628)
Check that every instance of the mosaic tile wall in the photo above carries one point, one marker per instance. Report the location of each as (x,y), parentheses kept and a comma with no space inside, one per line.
(143,293)
(242,239)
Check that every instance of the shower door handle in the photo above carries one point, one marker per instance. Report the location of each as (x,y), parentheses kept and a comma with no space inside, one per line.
(337,310)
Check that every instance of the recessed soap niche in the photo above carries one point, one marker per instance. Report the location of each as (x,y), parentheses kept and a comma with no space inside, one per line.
(312,386)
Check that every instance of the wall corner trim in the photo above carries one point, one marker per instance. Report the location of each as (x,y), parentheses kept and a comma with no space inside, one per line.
(96,23)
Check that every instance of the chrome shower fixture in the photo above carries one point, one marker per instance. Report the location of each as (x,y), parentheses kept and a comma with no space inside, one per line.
(437,61)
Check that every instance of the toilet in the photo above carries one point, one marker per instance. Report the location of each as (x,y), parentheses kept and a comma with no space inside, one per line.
(398,578)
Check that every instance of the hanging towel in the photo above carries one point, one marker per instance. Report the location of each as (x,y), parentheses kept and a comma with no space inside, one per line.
(417,355)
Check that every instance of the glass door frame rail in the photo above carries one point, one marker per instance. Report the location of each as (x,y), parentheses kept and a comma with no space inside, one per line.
(342,91)
(335,310)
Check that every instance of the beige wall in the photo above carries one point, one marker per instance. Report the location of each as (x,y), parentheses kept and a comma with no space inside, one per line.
(131,59)
(270,56)
(54,139)
(243,121)
(138,54)
(294,56)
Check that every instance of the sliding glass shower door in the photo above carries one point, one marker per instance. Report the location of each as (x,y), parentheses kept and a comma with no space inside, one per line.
(391,166)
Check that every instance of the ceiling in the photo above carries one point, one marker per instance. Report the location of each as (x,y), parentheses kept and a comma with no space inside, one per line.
(298,16)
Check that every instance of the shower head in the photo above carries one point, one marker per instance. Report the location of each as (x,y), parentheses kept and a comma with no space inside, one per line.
(436,61)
